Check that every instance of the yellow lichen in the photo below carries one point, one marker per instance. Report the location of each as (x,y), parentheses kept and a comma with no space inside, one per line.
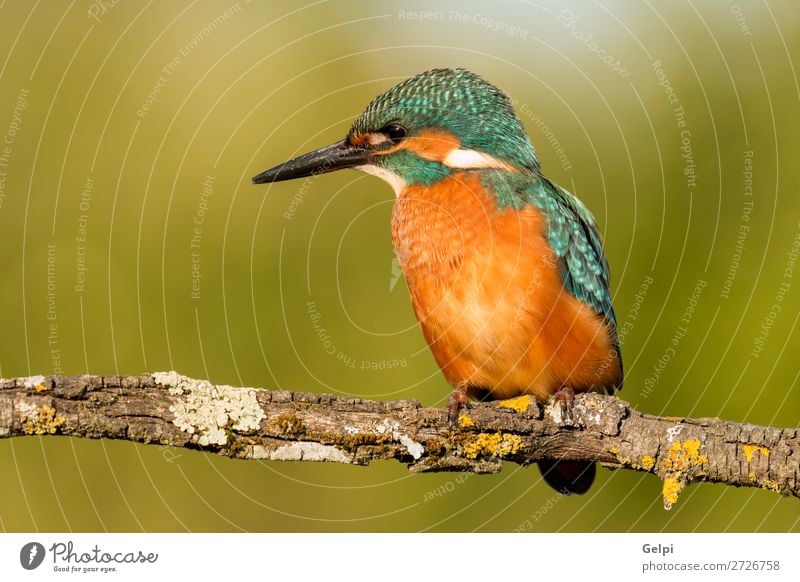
(42,420)
(750,450)
(520,404)
(290,424)
(481,444)
(494,445)
(771,485)
(692,447)
(768,484)
(511,444)
(682,456)
(614,450)
(40,387)
(672,488)
(465,421)
(648,462)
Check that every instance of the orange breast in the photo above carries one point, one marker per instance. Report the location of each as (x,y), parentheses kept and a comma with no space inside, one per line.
(486,289)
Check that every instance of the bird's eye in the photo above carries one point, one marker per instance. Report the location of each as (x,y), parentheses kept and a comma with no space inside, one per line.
(394,132)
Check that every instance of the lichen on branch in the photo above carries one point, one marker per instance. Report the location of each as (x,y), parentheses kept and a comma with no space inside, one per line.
(167,408)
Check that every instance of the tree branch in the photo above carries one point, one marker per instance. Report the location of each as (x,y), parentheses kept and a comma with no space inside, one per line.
(168,409)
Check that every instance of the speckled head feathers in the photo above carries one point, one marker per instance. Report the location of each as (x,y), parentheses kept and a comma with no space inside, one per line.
(479,114)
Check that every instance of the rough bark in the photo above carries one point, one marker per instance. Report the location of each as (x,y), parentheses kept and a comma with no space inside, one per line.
(247,423)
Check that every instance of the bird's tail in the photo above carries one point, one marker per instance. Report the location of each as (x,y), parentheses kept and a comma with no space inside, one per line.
(568,477)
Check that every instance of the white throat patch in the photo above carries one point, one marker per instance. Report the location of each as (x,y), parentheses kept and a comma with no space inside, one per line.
(466,159)
(395,181)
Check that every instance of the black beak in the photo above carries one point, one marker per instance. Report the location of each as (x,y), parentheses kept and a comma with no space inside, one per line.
(333,157)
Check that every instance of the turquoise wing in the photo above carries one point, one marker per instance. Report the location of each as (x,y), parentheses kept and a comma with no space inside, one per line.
(574,237)
(573,234)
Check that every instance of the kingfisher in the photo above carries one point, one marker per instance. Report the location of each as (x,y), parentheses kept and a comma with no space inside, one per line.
(506,270)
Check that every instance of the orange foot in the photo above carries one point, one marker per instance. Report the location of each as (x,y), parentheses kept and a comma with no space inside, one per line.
(458,398)
(565,396)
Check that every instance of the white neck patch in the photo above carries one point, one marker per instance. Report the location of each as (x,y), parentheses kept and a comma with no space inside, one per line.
(395,181)
(456,159)
(466,159)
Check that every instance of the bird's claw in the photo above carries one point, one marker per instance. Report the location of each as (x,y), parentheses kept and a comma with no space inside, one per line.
(565,396)
(458,398)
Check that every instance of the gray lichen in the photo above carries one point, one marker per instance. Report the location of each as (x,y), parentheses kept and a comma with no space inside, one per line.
(209,412)
(302,451)
(392,427)
(32,381)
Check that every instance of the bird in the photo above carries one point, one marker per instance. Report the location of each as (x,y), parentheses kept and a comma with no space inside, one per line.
(506,271)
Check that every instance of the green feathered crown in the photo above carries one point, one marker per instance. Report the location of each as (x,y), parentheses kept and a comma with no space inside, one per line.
(461,102)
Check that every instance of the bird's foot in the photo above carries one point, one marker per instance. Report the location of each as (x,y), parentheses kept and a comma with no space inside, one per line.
(458,398)
(565,397)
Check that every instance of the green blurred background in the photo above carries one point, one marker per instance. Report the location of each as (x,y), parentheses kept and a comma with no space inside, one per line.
(105,183)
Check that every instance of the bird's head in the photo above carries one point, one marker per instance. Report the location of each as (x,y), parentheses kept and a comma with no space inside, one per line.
(422,130)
